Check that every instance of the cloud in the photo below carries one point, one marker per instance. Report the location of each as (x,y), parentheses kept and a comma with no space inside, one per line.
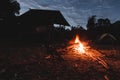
(76,11)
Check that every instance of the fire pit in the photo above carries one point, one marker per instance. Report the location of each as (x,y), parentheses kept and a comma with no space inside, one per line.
(78,46)
(82,57)
(77,50)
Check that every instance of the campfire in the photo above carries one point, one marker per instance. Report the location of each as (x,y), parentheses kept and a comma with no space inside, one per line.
(78,49)
(77,45)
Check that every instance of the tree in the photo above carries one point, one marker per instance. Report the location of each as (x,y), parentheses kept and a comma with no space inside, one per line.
(100,22)
(8,8)
(103,22)
(91,23)
(107,22)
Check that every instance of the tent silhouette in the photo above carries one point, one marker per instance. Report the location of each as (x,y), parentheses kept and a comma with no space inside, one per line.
(106,38)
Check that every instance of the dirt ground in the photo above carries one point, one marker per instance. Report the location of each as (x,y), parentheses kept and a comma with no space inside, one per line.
(39,63)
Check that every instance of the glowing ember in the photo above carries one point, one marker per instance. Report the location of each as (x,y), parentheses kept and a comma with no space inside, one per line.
(79,47)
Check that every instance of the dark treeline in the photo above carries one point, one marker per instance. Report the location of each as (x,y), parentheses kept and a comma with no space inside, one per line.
(8,19)
(60,34)
(100,26)
(12,28)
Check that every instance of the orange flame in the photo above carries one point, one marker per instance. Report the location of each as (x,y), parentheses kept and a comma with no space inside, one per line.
(79,47)
(77,40)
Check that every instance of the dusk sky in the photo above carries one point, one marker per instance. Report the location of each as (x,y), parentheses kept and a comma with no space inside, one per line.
(77,12)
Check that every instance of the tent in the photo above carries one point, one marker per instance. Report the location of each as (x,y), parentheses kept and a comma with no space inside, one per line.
(106,38)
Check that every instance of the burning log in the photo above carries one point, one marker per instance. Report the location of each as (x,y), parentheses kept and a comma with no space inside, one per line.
(80,49)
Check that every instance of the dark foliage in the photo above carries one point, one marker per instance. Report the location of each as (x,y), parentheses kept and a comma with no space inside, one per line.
(8,8)
(101,26)
(91,23)
(29,30)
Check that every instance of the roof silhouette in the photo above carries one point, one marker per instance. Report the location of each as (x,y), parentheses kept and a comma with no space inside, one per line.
(43,17)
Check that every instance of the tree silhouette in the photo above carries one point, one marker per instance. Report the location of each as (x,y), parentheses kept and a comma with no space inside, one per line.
(91,23)
(15,7)
(103,22)
(107,22)
(8,8)
(100,22)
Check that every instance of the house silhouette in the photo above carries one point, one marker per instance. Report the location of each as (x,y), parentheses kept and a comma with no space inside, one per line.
(39,23)
(35,17)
